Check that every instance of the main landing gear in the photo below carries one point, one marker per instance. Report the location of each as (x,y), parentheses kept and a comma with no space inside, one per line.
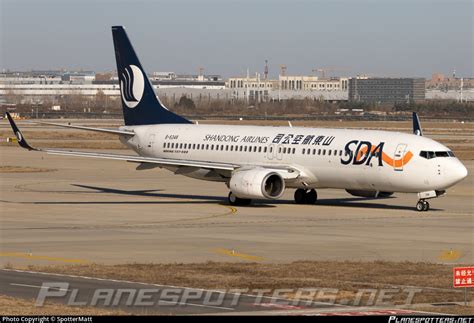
(422,206)
(237,201)
(305,196)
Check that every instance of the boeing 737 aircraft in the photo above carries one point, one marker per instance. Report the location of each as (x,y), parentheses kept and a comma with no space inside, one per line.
(257,162)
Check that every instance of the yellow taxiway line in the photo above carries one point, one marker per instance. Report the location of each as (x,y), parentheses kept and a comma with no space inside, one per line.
(449,255)
(233,253)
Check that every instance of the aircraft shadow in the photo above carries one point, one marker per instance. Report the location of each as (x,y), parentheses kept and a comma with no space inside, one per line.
(353,202)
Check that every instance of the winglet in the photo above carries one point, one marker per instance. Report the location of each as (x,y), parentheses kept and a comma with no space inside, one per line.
(21,140)
(416,125)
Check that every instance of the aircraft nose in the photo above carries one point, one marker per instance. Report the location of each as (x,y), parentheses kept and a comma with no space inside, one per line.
(459,172)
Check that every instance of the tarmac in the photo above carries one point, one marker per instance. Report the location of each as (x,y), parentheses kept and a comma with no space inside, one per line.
(144,298)
(91,210)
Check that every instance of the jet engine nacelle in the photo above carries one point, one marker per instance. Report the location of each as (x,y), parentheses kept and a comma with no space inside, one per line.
(257,183)
(369,193)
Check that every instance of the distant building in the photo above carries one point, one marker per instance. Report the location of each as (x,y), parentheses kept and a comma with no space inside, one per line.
(287,87)
(386,90)
(439,81)
(252,88)
(312,83)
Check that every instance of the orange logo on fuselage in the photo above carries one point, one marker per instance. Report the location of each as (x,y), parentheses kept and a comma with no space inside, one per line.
(361,156)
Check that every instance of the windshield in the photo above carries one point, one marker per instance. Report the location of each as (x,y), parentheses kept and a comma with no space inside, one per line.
(436,154)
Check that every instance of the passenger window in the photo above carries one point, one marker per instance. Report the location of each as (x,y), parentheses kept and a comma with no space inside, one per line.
(304,150)
(314,151)
(294,150)
(259,149)
(329,152)
(265,149)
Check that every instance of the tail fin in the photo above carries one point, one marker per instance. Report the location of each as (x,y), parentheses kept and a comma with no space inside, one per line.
(139,101)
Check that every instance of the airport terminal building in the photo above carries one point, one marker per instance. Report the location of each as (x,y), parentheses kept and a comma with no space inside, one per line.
(386,90)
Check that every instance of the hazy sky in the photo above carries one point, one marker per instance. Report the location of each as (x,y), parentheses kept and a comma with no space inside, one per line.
(375,37)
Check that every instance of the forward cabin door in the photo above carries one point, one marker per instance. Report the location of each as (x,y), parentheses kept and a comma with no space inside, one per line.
(398,157)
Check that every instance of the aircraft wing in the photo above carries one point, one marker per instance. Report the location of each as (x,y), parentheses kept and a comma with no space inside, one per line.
(286,171)
(140,159)
(112,131)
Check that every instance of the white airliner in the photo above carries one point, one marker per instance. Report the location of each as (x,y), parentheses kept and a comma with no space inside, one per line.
(258,162)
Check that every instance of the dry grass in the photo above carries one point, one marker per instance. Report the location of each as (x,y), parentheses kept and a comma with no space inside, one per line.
(19,169)
(454,310)
(347,276)
(17,306)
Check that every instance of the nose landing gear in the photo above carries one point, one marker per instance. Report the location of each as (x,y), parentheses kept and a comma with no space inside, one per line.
(422,206)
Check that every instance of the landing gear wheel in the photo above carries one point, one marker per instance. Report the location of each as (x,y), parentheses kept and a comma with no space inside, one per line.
(300,196)
(236,201)
(303,196)
(426,206)
(422,206)
(311,197)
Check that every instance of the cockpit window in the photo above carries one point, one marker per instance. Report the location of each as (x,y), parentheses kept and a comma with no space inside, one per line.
(441,154)
(435,154)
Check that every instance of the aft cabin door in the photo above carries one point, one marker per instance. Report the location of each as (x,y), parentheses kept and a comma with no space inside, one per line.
(398,157)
